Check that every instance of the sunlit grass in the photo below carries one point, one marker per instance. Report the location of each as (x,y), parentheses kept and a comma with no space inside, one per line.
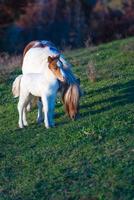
(90,158)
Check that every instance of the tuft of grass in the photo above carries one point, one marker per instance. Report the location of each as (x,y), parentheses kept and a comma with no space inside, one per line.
(129,47)
(8,64)
(91,71)
(90,158)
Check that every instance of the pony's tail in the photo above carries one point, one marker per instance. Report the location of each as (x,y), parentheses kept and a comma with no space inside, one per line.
(70,98)
(16,86)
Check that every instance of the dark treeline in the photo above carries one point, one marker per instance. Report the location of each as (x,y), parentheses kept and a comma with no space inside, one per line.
(68,23)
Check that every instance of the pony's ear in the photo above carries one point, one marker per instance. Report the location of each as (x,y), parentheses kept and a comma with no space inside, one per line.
(50,59)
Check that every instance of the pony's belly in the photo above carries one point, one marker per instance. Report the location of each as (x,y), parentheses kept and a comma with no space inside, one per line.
(35,91)
(42,88)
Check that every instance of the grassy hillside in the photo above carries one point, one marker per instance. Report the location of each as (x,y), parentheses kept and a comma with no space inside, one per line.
(91,158)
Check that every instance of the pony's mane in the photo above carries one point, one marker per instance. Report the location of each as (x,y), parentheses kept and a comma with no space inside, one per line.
(71,100)
(71,94)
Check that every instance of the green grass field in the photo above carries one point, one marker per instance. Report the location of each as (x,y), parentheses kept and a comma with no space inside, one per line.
(91,158)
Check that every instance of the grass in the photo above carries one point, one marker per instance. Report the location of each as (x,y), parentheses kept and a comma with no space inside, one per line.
(91,158)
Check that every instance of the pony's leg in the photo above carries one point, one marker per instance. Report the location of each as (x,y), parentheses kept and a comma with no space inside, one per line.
(20,110)
(24,117)
(51,110)
(40,117)
(23,100)
(45,101)
(29,107)
(48,106)
(27,102)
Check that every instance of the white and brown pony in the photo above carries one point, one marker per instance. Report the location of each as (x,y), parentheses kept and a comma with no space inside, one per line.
(35,57)
(38,84)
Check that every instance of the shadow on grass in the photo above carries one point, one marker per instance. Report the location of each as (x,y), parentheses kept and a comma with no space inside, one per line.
(126,96)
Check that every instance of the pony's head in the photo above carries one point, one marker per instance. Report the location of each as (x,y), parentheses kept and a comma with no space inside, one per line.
(55,65)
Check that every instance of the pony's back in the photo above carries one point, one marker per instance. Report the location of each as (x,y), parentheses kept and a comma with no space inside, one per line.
(35,56)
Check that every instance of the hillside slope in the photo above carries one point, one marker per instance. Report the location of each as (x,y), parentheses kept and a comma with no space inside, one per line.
(90,158)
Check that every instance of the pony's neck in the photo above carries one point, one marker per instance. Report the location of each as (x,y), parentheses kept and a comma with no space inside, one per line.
(49,75)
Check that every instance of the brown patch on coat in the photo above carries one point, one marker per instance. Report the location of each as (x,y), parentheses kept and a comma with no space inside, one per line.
(28,46)
(54,68)
(33,44)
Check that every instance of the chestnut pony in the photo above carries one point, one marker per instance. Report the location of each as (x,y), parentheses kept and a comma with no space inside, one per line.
(35,57)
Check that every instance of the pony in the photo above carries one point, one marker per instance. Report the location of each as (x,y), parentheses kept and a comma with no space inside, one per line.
(44,85)
(35,57)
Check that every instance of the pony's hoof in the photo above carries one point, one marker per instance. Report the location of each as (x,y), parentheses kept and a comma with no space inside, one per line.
(47,127)
(21,126)
(25,124)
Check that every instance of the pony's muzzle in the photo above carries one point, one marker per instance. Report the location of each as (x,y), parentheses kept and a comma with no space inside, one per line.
(74,116)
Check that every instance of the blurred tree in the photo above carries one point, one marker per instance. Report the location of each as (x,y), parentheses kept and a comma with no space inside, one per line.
(68,23)
(11,10)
